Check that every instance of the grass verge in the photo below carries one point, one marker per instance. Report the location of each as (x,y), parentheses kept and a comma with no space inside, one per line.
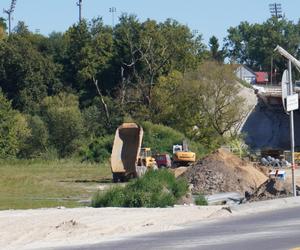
(37,183)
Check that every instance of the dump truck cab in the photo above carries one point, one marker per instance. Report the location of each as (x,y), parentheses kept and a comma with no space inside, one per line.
(163,160)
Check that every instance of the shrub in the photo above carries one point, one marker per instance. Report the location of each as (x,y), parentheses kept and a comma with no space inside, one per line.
(65,124)
(113,198)
(160,138)
(98,150)
(154,189)
(201,200)
(13,129)
(36,143)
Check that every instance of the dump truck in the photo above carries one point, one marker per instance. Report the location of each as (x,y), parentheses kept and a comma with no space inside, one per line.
(128,159)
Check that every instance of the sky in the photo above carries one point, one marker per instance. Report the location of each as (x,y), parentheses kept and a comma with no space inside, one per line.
(206,17)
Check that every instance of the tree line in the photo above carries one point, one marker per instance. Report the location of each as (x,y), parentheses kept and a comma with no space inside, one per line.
(61,94)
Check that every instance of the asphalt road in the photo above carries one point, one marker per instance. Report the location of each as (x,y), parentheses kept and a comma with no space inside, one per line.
(269,230)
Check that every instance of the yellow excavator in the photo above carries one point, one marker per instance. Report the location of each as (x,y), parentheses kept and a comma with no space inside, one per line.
(182,156)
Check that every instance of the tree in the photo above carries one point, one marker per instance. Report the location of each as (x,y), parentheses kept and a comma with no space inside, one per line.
(88,52)
(37,143)
(203,104)
(26,75)
(215,53)
(253,44)
(62,115)
(149,50)
(13,129)
(3,28)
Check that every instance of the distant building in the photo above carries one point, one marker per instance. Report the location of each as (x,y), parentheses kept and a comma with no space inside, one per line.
(246,74)
(262,77)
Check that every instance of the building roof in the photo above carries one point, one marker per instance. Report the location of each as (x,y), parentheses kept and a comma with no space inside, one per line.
(262,77)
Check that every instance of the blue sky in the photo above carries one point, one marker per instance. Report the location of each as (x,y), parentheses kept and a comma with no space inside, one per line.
(209,18)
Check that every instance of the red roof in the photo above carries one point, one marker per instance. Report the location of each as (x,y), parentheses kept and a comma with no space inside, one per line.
(262,77)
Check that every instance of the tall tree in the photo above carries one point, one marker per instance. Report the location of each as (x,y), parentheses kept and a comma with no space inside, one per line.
(204,104)
(215,52)
(89,50)
(253,44)
(26,76)
(149,49)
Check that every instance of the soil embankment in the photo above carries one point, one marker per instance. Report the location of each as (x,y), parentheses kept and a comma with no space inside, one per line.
(224,172)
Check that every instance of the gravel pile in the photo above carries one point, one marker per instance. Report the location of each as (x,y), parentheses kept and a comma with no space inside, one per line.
(224,172)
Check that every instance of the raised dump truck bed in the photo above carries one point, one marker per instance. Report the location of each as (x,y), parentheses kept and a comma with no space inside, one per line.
(126,150)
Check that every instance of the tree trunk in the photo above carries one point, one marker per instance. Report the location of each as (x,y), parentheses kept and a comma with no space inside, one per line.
(103,103)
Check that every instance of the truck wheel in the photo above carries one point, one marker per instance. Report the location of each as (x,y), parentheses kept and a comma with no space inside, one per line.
(115,178)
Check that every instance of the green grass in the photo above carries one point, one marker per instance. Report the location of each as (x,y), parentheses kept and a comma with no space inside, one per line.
(155,189)
(37,183)
(200,200)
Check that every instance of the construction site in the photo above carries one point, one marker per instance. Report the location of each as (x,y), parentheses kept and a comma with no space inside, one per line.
(267,172)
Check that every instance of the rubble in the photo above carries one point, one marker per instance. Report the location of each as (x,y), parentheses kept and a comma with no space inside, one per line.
(272,189)
(224,172)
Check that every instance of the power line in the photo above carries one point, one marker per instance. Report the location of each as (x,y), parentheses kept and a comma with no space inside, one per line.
(9,13)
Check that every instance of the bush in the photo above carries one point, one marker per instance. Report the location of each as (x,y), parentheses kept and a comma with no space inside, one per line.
(98,150)
(155,189)
(161,138)
(113,198)
(13,129)
(36,143)
(201,200)
(62,115)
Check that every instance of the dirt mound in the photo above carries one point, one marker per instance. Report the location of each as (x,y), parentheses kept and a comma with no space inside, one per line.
(224,172)
(272,189)
(179,171)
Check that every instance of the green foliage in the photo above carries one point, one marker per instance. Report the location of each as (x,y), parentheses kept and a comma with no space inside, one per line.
(160,138)
(155,189)
(13,129)
(99,150)
(64,120)
(95,120)
(203,104)
(26,75)
(201,200)
(253,44)
(215,53)
(88,51)
(36,144)
(112,198)
(238,146)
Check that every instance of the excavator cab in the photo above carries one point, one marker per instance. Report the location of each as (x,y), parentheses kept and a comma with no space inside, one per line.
(182,156)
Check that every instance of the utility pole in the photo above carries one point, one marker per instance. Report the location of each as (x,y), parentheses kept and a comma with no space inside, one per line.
(275,9)
(113,10)
(9,13)
(290,94)
(292,134)
(79,4)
